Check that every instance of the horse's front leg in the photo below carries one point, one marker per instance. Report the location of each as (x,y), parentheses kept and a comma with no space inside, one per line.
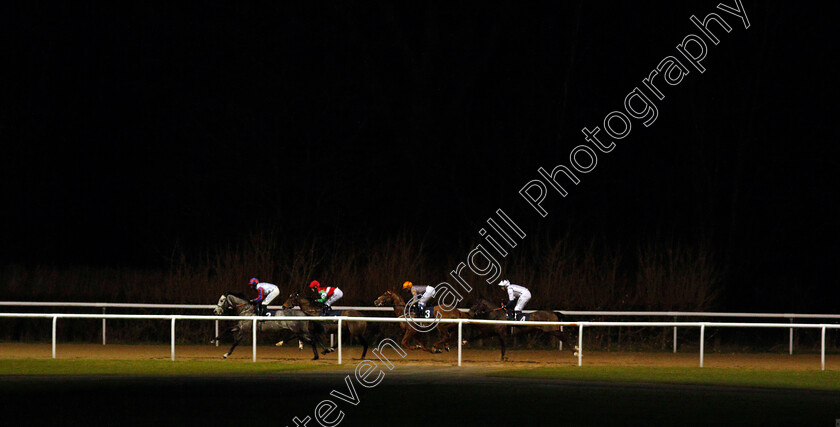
(409,334)
(235,343)
(224,333)
(241,332)
(314,350)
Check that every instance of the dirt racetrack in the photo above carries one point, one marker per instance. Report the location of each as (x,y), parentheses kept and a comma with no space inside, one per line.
(471,357)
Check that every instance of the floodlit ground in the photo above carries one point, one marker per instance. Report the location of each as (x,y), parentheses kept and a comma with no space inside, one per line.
(471,357)
(535,387)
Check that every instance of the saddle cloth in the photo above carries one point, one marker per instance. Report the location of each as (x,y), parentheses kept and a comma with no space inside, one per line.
(523,317)
(428,312)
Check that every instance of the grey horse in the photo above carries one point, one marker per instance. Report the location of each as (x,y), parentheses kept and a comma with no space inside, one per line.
(232,303)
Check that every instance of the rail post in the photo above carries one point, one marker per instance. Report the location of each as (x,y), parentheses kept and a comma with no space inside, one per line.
(217,331)
(561,341)
(790,346)
(103,327)
(580,345)
(702,341)
(55,321)
(822,350)
(460,338)
(254,339)
(675,335)
(339,341)
(172,337)
(332,340)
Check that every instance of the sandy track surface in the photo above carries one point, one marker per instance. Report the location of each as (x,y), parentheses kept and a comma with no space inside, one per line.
(481,357)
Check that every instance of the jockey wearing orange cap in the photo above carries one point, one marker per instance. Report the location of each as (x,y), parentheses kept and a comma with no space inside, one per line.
(425,294)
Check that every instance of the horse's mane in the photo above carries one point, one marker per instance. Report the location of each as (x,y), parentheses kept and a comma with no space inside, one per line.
(236,294)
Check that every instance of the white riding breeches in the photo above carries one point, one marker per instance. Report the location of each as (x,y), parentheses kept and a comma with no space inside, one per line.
(523,299)
(337,294)
(270,297)
(430,292)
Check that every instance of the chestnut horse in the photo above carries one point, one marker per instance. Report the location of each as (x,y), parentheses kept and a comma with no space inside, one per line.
(446,329)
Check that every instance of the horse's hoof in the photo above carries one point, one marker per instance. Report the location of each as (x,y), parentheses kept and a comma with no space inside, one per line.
(315,358)
(300,345)
(418,347)
(225,356)
(577,349)
(436,351)
(446,348)
(279,343)
(576,353)
(464,342)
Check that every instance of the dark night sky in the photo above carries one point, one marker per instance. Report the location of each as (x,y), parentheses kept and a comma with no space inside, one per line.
(126,128)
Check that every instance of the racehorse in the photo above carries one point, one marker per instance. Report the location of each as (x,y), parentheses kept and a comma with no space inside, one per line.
(446,329)
(355,328)
(238,305)
(484,309)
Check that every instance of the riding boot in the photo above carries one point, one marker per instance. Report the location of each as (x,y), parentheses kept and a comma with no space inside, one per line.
(325,311)
(517,315)
(510,315)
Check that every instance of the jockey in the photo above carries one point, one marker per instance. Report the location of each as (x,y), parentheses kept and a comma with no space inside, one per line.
(516,294)
(425,294)
(327,295)
(266,292)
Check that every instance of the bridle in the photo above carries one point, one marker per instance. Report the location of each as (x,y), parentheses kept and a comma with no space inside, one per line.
(228,305)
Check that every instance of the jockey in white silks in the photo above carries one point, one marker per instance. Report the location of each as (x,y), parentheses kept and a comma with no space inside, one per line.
(518,295)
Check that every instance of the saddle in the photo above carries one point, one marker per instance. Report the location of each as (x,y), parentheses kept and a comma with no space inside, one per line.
(521,317)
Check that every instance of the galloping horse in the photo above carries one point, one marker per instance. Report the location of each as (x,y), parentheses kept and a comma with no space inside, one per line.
(355,328)
(484,309)
(446,329)
(238,305)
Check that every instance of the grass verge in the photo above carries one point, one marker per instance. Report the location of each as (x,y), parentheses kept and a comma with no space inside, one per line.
(814,380)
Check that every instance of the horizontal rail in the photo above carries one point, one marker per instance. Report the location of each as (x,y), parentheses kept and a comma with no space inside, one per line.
(460,321)
(390,309)
(415,320)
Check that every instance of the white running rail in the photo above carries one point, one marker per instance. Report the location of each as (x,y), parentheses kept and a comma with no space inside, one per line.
(174,317)
(673,314)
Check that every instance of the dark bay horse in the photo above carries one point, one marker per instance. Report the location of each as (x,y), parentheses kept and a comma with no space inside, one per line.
(392,298)
(355,328)
(231,303)
(484,309)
